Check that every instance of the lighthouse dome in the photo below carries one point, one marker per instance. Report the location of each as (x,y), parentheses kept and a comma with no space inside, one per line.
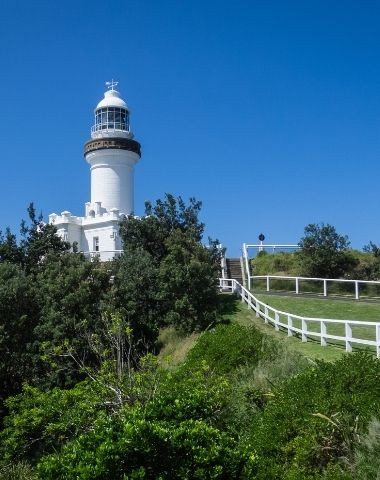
(112,98)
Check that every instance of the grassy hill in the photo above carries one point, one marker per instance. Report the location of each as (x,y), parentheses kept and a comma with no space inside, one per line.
(300,416)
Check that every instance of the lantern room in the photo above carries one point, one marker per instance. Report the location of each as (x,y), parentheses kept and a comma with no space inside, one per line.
(111,115)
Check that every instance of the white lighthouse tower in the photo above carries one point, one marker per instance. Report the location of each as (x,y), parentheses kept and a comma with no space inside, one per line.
(112,154)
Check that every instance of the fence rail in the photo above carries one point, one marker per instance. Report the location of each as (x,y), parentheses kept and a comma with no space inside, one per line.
(324,281)
(308,327)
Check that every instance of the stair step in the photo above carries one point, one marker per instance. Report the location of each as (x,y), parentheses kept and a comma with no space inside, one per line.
(234,269)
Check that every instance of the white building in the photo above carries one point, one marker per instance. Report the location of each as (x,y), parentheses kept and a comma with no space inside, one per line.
(112,154)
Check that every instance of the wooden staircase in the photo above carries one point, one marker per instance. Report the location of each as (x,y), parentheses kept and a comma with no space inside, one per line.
(234,269)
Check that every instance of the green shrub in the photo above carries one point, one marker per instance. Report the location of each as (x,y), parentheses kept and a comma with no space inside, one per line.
(126,448)
(178,434)
(252,385)
(366,464)
(18,471)
(184,395)
(40,422)
(276,263)
(226,347)
(312,420)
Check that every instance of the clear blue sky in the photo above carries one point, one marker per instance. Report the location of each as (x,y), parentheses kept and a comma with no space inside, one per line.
(268,112)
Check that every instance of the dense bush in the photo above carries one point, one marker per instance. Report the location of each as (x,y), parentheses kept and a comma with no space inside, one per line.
(241,406)
(227,347)
(188,284)
(324,253)
(183,271)
(18,471)
(366,459)
(41,422)
(18,318)
(53,301)
(312,420)
(276,264)
(122,447)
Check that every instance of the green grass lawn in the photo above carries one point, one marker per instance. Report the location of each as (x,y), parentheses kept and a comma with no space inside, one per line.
(174,346)
(312,349)
(327,308)
(324,307)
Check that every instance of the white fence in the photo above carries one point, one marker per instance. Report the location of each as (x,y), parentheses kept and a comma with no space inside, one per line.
(325,281)
(347,332)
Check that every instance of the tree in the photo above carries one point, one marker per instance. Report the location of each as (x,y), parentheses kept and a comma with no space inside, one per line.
(370,264)
(324,253)
(70,292)
(39,239)
(188,283)
(9,249)
(176,281)
(134,296)
(18,318)
(161,219)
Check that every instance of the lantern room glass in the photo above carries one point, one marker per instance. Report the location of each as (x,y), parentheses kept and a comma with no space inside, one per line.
(111,118)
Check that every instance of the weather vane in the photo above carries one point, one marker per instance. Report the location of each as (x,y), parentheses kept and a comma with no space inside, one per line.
(111,84)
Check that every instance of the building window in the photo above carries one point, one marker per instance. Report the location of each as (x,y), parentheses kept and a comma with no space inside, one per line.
(96,244)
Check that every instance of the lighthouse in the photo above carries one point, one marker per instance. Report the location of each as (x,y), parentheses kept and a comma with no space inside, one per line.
(112,153)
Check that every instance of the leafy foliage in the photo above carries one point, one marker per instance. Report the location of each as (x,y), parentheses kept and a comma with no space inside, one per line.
(240,406)
(227,347)
(18,471)
(151,231)
(313,419)
(276,264)
(173,276)
(134,295)
(121,448)
(18,317)
(366,459)
(188,284)
(324,253)
(40,422)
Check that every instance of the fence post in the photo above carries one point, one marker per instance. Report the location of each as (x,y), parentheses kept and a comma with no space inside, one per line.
(304,330)
(297,285)
(348,330)
(325,288)
(267,284)
(257,309)
(290,325)
(249,301)
(276,320)
(323,334)
(378,340)
(356,290)
(266,314)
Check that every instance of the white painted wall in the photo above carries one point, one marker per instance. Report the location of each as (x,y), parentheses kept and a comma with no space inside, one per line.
(112,175)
